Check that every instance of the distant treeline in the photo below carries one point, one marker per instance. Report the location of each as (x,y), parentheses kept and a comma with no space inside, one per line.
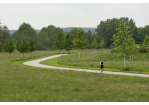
(44,38)
(67,29)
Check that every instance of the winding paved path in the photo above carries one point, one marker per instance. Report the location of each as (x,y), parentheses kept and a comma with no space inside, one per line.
(36,63)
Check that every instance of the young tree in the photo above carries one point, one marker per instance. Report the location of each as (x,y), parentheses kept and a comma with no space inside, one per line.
(59,42)
(132,49)
(18,44)
(94,43)
(122,38)
(23,47)
(80,40)
(102,44)
(146,41)
(68,42)
(31,46)
(10,47)
(1,47)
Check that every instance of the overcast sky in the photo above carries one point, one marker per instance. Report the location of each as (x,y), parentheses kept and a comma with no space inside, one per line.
(40,15)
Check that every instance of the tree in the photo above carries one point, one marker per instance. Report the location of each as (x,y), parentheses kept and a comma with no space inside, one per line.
(68,42)
(26,31)
(4,34)
(1,47)
(6,47)
(122,38)
(18,46)
(146,41)
(59,42)
(79,42)
(31,46)
(94,44)
(23,47)
(10,47)
(102,44)
(132,49)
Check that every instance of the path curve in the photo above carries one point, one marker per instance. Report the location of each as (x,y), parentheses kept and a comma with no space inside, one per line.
(36,63)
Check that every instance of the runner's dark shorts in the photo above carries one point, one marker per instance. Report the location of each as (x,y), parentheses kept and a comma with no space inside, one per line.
(102,66)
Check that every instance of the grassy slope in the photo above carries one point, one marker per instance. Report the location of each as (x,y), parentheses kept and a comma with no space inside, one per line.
(24,83)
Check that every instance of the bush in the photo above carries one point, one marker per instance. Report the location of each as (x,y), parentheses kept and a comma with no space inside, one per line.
(41,47)
(142,50)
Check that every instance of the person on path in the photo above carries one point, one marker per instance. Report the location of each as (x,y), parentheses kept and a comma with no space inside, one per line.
(101,65)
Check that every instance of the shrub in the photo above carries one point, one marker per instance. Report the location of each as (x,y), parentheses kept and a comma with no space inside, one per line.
(142,50)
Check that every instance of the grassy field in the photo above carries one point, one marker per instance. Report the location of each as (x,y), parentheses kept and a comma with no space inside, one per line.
(19,83)
(112,62)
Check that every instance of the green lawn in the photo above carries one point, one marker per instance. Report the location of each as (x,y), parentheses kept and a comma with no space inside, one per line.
(31,84)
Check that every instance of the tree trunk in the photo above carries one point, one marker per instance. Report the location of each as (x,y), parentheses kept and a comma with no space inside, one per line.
(7,54)
(71,51)
(130,57)
(31,54)
(23,55)
(19,54)
(10,55)
(124,62)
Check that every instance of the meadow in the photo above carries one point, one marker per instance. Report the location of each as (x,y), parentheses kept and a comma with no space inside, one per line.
(112,61)
(21,83)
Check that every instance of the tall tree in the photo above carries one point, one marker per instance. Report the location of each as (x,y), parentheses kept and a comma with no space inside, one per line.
(31,46)
(68,42)
(122,38)
(23,47)
(10,46)
(59,42)
(94,44)
(79,42)
(26,31)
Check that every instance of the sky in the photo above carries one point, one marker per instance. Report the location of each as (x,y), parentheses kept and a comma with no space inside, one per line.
(40,14)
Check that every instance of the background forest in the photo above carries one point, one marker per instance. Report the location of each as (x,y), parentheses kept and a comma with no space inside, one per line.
(44,38)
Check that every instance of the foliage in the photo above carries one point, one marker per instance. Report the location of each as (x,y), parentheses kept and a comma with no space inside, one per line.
(94,43)
(111,46)
(68,42)
(23,47)
(47,36)
(59,41)
(146,41)
(26,31)
(1,47)
(6,49)
(4,34)
(31,46)
(10,46)
(102,44)
(18,44)
(80,41)
(122,39)
(106,28)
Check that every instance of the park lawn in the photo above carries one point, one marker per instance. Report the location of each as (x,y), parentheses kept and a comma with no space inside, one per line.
(112,62)
(21,83)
